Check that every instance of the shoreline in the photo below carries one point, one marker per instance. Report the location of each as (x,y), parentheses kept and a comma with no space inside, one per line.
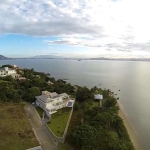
(130,130)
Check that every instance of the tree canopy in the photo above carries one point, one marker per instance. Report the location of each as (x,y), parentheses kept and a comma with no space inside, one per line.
(15,90)
(83,94)
(100,128)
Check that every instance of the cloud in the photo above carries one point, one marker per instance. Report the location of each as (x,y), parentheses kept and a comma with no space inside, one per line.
(138,46)
(109,24)
(45,18)
(82,42)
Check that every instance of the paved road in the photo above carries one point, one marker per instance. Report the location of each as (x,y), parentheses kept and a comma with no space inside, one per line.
(40,130)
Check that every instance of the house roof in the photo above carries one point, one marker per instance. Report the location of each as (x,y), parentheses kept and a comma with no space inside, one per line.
(3,69)
(63,94)
(98,96)
(10,69)
(43,98)
(50,106)
(53,95)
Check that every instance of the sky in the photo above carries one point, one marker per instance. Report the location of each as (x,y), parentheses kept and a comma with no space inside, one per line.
(75,28)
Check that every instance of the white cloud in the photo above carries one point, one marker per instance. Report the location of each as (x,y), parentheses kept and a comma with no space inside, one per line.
(106,24)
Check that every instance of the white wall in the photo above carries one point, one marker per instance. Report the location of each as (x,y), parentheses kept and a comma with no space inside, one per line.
(2,72)
(11,72)
(7,72)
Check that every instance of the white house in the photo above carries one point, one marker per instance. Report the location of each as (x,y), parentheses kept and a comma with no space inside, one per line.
(7,71)
(51,102)
(99,97)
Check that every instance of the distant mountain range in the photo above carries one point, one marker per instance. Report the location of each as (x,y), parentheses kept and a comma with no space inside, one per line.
(120,59)
(79,59)
(47,56)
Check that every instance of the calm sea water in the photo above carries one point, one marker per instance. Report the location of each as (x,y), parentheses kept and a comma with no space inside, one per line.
(131,78)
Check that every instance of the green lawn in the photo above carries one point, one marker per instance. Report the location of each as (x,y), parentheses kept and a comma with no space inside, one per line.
(15,130)
(40,111)
(93,104)
(59,120)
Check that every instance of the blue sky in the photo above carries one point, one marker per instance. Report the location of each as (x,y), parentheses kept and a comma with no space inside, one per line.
(15,45)
(75,28)
(25,45)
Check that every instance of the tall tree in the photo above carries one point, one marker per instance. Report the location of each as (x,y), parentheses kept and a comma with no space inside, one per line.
(83,94)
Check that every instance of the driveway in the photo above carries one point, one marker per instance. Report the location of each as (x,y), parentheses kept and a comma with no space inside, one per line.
(39,129)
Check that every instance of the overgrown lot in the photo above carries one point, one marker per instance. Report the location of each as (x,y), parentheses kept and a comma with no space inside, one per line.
(15,130)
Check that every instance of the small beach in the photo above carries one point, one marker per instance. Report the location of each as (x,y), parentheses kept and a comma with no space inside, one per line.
(130,131)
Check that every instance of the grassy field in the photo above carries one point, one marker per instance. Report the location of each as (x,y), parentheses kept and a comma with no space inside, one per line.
(59,120)
(94,104)
(15,130)
(40,111)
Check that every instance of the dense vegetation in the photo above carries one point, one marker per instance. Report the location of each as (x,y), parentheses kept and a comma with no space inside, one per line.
(91,127)
(97,128)
(14,90)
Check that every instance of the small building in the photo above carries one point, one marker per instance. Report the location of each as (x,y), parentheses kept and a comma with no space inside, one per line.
(51,102)
(99,97)
(7,71)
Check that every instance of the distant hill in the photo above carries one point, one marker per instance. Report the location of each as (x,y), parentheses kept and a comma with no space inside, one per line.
(47,56)
(3,57)
(120,59)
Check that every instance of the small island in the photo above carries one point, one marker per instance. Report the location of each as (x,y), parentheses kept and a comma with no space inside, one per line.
(78,118)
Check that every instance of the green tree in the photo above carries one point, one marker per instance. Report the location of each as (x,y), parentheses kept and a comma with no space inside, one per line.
(83,94)
(31,93)
(85,135)
(9,78)
(110,101)
(105,94)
